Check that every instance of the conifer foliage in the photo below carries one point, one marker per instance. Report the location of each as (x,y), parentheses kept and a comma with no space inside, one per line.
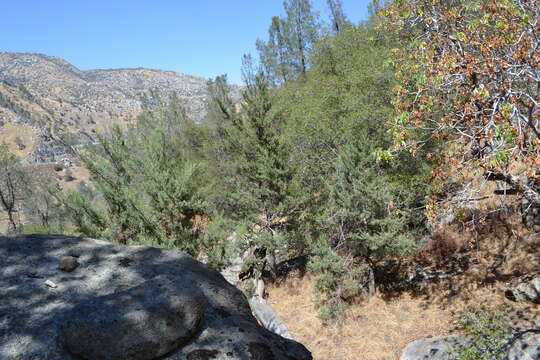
(261,183)
(291,40)
(147,183)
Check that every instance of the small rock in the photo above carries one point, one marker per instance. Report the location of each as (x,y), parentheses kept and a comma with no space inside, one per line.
(68,263)
(51,284)
(525,291)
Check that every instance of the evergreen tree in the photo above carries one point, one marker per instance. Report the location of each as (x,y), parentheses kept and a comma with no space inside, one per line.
(304,32)
(338,18)
(261,185)
(275,53)
(286,54)
(148,182)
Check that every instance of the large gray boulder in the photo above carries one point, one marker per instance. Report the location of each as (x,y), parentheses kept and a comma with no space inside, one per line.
(123,303)
(443,348)
(526,346)
(523,345)
(153,319)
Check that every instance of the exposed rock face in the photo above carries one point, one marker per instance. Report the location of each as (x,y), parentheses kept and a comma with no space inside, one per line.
(123,303)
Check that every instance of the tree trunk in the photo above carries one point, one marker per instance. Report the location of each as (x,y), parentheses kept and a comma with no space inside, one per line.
(371,281)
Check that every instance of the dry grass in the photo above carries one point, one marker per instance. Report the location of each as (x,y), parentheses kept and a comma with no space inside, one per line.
(9,134)
(497,252)
(375,330)
(500,250)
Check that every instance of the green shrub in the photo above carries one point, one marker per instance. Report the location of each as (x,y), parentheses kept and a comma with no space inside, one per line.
(35,228)
(339,280)
(488,332)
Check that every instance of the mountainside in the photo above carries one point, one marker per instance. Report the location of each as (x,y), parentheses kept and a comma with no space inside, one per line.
(43,98)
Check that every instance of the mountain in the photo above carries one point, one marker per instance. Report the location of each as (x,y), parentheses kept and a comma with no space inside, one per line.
(43,98)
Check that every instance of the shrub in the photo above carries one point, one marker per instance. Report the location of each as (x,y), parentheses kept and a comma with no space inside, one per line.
(339,280)
(35,228)
(440,247)
(488,332)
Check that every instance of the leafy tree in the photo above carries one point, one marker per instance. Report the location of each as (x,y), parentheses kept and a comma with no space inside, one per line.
(347,89)
(362,202)
(468,74)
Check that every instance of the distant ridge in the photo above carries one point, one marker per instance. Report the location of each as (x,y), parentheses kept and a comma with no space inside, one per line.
(43,95)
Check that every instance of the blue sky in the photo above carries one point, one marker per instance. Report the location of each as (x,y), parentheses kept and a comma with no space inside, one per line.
(199,37)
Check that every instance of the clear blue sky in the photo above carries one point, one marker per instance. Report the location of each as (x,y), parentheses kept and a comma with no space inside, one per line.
(198,37)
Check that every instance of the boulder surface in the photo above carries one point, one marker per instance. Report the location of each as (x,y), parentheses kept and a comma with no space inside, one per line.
(123,302)
(523,345)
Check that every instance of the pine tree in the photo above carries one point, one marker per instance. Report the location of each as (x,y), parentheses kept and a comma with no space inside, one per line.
(337,16)
(261,186)
(275,53)
(286,54)
(304,31)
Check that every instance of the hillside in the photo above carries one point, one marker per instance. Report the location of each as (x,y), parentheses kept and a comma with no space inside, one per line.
(43,95)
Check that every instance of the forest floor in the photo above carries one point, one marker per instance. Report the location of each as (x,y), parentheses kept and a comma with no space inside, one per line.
(379,328)
(376,329)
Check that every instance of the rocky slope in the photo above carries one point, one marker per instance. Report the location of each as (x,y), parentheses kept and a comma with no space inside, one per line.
(44,97)
(73,298)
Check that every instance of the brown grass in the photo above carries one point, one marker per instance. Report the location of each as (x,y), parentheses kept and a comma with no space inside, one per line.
(10,132)
(374,330)
(496,252)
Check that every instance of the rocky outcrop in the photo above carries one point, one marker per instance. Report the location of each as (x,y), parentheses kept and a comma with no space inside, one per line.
(528,289)
(261,308)
(123,303)
(523,345)
(444,348)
